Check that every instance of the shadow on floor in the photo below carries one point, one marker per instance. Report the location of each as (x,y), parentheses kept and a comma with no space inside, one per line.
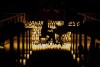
(51,58)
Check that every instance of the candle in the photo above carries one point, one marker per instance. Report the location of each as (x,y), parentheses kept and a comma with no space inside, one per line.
(78,59)
(28,56)
(73,56)
(24,61)
(20,61)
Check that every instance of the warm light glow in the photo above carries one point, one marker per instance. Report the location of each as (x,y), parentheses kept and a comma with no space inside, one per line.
(27,46)
(65,46)
(15,46)
(71,51)
(72,23)
(39,44)
(24,61)
(1,47)
(20,46)
(30,52)
(25,56)
(7,46)
(59,23)
(20,61)
(78,23)
(43,40)
(31,46)
(28,55)
(66,37)
(24,46)
(78,59)
(97,41)
(73,56)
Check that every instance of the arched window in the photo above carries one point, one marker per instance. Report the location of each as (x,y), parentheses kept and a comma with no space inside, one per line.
(72,23)
(78,23)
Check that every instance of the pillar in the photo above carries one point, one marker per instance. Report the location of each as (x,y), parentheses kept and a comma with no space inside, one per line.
(26,42)
(29,41)
(23,36)
(73,42)
(12,53)
(18,50)
(80,44)
(85,50)
(76,47)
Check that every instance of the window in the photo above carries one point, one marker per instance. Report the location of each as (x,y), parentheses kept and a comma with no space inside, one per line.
(72,23)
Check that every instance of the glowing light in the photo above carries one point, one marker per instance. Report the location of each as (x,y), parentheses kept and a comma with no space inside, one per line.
(24,61)
(20,46)
(78,59)
(71,51)
(78,23)
(74,23)
(30,52)
(73,56)
(43,40)
(70,24)
(24,55)
(1,47)
(65,46)
(66,37)
(15,46)
(28,56)
(59,23)
(43,45)
(7,46)
(20,61)
(24,46)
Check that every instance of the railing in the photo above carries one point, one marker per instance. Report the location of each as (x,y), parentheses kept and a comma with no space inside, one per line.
(89,16)
(19,17)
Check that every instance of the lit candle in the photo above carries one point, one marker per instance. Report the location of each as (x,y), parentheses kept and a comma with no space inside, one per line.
(24,55)
(28,56)
(71,51)
(7,46)
(20,61)
(30,52)
(1,47)
(24,61)
(78,59)
(73,56)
